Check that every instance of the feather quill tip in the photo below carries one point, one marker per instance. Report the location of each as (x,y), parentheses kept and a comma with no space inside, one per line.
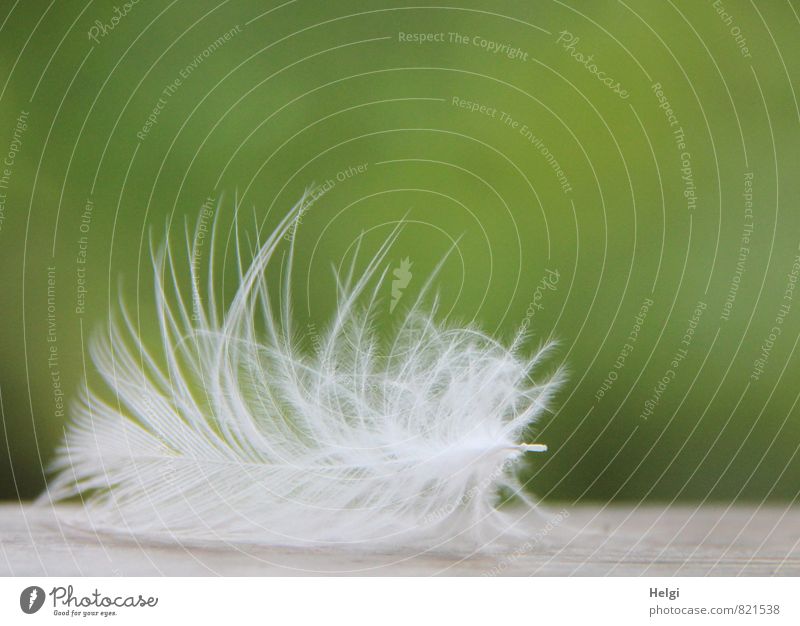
(533,447)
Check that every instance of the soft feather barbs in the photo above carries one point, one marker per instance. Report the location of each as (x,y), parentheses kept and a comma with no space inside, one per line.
(232,432)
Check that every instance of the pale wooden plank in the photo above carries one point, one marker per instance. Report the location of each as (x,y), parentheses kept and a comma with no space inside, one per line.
(593,540)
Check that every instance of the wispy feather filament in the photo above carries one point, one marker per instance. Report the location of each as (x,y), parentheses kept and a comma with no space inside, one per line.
(232,431)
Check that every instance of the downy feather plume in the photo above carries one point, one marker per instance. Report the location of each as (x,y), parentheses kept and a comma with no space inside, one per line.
(233,430)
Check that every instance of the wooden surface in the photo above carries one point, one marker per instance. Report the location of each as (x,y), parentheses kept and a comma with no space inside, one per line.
(597,541)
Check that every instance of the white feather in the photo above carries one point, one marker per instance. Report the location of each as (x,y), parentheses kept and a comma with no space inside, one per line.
(232,431)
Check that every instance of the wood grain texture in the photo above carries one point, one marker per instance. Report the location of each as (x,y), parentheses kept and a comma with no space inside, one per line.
(592,540)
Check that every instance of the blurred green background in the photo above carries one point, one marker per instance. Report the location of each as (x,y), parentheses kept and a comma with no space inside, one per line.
(674,239)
